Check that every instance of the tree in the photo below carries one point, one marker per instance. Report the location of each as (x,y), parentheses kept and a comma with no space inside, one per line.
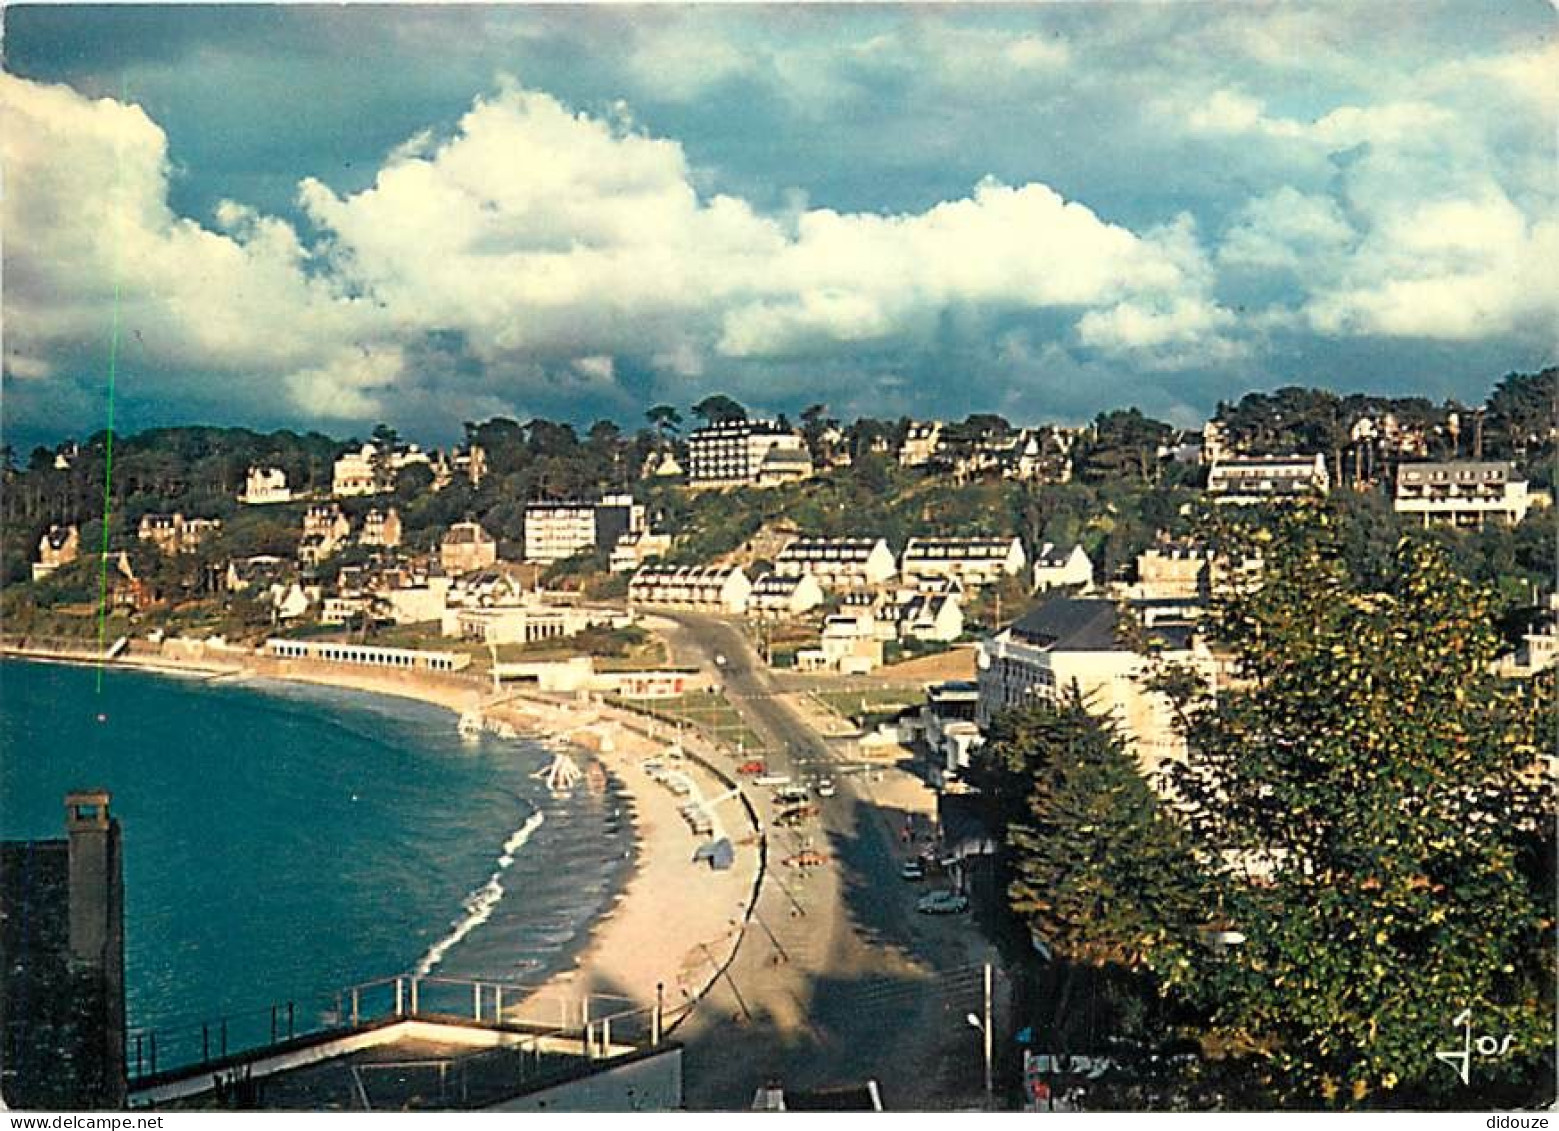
(1373,794)
(1123,444)
(666,421)
(1102,873)
(718,409)
(386,442)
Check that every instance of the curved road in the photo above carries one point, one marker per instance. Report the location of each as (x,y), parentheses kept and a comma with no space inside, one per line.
(838,980)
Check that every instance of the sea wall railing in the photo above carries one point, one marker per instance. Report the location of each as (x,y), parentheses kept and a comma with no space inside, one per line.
(602,1023)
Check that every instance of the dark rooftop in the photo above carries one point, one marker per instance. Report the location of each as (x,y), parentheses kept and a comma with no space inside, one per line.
(1071,624)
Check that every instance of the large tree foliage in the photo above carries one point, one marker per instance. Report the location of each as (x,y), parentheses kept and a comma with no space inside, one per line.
(1101,872)
(1375,801)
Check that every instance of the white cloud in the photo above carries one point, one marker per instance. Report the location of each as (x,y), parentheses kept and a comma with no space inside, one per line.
(1451,270)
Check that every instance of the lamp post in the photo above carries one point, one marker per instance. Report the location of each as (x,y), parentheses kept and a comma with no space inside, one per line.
(983,1024)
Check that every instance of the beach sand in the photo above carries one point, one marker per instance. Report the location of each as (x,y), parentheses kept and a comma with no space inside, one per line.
(677,923)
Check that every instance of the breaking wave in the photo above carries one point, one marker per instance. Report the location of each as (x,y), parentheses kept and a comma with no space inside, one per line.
(479,905)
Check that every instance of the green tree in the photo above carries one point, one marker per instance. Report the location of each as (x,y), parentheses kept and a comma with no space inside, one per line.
(1101,871)
(1373,795)
(718,408)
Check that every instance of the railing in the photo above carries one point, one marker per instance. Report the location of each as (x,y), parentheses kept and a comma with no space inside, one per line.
(600,1022)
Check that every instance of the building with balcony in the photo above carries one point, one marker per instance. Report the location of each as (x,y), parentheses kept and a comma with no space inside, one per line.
(782,597)
(733,452)
(555,531)
(1465,493)
(1254,479)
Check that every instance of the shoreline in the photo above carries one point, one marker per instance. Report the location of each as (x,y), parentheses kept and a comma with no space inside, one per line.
(631,948)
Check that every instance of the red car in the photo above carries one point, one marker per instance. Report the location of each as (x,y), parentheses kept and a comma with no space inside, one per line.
(751,768)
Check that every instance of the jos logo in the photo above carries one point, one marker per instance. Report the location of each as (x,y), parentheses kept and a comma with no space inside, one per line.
(1488,1046)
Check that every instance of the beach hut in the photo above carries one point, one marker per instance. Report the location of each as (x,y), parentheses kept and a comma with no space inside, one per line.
(720,854)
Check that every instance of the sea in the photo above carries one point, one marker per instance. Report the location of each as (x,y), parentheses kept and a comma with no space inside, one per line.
(283,842)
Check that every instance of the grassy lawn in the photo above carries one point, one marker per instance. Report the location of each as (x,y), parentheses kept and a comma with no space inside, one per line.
(710,713)
(868,703)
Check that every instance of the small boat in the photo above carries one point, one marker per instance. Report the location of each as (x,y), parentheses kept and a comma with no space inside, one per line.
(470,725)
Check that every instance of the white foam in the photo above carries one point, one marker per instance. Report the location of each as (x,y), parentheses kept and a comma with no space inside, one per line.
(479,905)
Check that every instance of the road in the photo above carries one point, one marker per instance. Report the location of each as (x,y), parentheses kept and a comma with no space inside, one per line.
(839,979)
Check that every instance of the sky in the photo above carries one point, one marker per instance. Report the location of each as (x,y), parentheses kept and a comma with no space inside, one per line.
(329,216)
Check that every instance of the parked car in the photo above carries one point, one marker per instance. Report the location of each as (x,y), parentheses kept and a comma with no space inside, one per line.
(753,767)
(825,787)
(942,903)
(912,870)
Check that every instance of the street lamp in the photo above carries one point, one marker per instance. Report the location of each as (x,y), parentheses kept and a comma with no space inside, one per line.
(983,1025)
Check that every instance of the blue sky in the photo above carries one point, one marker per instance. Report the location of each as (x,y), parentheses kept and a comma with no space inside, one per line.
(328,216)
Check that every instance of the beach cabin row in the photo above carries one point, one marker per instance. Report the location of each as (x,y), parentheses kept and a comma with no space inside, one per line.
(366,655)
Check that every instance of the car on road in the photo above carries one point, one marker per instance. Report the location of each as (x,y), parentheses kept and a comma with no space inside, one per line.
(942,903)
(825,787)
(792,795)
(772,779)
(912,870)
(753,767)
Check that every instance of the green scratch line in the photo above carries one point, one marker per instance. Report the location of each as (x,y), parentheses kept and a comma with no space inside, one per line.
(108,467)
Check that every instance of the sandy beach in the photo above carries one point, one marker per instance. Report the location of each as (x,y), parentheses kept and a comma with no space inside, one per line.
(677,923)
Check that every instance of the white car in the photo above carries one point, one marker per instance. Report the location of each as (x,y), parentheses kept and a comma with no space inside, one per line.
(825,788)
(942,903)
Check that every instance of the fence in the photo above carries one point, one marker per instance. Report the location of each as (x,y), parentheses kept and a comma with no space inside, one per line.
(602,1023)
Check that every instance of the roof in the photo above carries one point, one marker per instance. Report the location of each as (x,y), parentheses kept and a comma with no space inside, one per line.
(1052,556)
(465,532)
(1496,471)
(936,549)
(1071,624)
(778,456)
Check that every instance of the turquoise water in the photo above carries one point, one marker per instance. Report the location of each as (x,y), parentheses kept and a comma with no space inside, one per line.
(283,841)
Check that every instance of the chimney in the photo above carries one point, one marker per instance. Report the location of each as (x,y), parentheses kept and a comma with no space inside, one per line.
(97,927)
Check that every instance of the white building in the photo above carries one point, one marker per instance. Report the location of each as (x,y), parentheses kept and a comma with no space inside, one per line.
(849,645)
(973,561)
(555,531)
(365,655)
(525,623)
(634,550)
(354,473)
(838,563)
(1462,493)
(265,485)
(706,588)
(1056,566)
(1077,641)
(782,597)
(920,443)
(926,617)
(1251,479)
(733,452)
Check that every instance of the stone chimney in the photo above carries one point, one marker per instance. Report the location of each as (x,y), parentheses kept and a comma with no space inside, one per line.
(97,922)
